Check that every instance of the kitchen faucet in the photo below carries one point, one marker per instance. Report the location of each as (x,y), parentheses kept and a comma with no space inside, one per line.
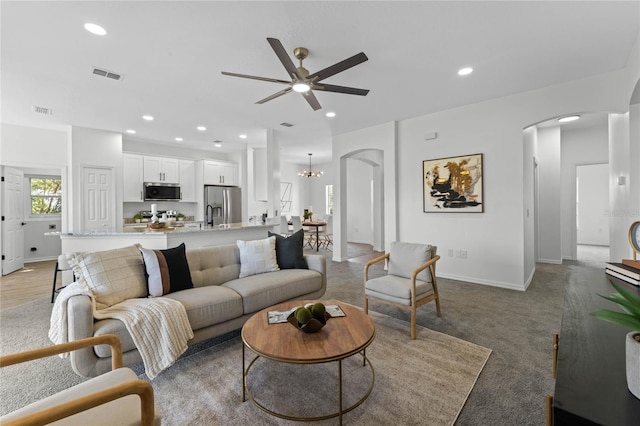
(206,215)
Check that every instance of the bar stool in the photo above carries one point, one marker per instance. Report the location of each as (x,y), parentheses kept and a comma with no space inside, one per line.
(61,265)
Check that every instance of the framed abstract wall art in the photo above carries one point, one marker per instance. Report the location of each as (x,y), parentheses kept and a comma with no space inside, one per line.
(453,185)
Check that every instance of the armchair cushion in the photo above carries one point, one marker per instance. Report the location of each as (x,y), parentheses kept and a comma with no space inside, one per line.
(405,257)
(397,289)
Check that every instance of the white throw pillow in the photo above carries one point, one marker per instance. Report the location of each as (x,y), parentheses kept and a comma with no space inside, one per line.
(258,256)
(112,275)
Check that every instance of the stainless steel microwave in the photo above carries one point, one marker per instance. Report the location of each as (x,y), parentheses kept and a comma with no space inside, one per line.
(161,191)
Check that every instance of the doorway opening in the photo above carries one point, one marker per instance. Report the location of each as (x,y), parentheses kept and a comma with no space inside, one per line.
(592,220)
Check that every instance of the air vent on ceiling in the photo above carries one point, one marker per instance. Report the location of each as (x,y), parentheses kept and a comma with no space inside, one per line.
(106,73)
(42,110)
(285,124)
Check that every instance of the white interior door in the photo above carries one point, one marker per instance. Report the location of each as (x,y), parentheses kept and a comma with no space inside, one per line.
(98,200)
(13,214)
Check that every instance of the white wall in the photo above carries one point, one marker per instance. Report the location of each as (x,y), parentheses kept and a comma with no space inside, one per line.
(22,146)
(359,194)
(584,145)
(494,240)
(593,204)
(549,196)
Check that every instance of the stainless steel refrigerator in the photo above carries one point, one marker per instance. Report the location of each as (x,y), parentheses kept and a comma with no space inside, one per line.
(223,204)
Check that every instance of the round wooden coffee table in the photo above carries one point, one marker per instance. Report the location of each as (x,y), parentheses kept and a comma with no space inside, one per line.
(340,338)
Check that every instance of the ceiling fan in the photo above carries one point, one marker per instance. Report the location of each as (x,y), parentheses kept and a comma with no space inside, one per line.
(303,82)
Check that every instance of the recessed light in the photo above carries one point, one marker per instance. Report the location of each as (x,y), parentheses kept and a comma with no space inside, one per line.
(569,118)
(95,29)
(179,139)
(147,117)
(330,114)
(465,71)
(243,136)
(131,132)
(217,144)
(201,128)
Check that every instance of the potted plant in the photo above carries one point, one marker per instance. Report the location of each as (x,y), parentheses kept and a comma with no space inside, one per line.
(308,215)
(180,216)
(137,218)
(629,302)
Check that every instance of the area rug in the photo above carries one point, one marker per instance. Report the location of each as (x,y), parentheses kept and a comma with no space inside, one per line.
(420,382)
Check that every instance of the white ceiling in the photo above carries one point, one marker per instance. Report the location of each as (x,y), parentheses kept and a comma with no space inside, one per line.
(171,54)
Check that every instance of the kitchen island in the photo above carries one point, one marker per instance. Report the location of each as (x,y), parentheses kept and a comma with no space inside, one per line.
(193,237)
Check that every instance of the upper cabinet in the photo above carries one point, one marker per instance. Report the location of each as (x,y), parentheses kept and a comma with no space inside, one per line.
(188,181)
(220,173)
(133,166)
(161,169)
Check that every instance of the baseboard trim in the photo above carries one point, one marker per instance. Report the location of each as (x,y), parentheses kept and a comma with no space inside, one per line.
(510,286)
(528,281)
(552,261)
(39,259)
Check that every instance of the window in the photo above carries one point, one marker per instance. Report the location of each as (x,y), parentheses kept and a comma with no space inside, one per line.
(328,199)
(46,195)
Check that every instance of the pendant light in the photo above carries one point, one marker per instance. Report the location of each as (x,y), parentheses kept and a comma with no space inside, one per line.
(309,173)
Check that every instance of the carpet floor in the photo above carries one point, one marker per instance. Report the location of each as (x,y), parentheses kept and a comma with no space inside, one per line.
(517,327)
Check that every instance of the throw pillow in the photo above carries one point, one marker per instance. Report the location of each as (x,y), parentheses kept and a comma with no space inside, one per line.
(257,257)
(167,270)
(405,257)
(289,251)
(112,275)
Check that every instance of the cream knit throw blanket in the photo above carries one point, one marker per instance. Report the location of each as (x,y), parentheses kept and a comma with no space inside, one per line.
(159,326)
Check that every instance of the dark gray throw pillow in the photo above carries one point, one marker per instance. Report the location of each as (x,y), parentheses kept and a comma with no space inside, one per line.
(289,253)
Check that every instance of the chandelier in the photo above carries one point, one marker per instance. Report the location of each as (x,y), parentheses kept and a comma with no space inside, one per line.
(309,173)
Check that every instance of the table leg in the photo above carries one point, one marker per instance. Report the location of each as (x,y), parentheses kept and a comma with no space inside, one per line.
(317,238)
(340,389)
(244,396)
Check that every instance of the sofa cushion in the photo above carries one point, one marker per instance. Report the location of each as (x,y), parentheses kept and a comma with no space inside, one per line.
(289,252)
(264,290)
(405,257)
(209,305)
(166,270)
(257,257)
(214,265)
(112,275)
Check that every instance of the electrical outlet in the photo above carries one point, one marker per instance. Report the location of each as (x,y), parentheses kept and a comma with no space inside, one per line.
(52,226)
(450,253)
(463,254)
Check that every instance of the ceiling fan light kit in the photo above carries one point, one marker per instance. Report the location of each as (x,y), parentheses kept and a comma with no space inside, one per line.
(303,82)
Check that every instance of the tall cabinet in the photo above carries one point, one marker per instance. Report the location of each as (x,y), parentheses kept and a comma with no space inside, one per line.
(133,165)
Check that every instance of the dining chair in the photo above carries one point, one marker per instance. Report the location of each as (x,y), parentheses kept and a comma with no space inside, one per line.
(284,226)
(410,281)
(296,223)
(326,234)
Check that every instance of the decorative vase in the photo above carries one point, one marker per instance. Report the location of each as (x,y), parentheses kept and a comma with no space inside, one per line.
(314,325)
(633,363)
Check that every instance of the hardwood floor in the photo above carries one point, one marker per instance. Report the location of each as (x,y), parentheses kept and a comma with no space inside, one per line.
(32,282)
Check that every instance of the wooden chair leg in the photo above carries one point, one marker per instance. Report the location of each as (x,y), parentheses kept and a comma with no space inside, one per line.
(556,341)
(413,322)
(366,305)
(55,277)
(549,409)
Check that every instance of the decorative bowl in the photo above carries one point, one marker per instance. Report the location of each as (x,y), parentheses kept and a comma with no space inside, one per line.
(158,225)
(314,325)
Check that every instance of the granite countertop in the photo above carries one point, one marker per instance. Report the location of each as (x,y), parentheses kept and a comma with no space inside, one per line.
(143,229)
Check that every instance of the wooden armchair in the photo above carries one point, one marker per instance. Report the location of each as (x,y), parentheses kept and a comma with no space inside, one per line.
(410,281)
(116,397)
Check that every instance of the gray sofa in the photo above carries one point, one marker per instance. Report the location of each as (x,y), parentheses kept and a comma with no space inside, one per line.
(219,302)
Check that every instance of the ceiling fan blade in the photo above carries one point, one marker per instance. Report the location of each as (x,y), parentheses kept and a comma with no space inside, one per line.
(275,95)
(312,100)
(340,89)
(339,67)
(253,77)
(284,58)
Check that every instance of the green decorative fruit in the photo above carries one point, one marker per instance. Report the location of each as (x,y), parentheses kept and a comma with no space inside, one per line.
(318,311)
(303,315)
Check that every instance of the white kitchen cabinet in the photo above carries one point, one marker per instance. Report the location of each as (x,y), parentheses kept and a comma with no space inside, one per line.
(161,169)
(132,171)
(220,173)
(188,181)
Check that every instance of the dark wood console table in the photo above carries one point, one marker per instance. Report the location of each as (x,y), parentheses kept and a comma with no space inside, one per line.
(591,385)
